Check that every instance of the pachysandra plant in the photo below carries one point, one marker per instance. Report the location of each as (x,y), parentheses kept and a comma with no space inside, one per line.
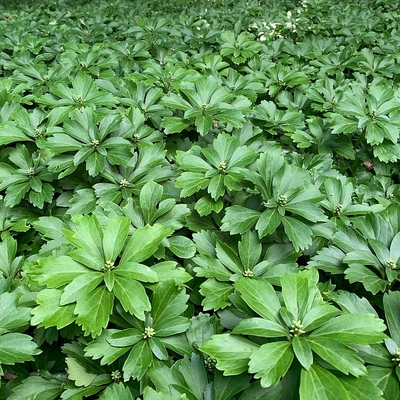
(27,177)
(286,196)
(83,141)
(363,254)
(297,325)
(220,168)
(144,339)
(148,163)
(202,102)
(104,265)
(223,264)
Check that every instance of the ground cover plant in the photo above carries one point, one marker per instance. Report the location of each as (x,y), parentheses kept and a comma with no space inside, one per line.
(199,200)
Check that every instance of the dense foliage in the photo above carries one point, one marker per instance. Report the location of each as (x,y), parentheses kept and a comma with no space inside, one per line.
(199,200)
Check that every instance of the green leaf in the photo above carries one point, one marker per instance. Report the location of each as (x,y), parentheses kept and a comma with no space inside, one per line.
(318,383)
(261,297)
(78,374)
(85,283)
(150,196)
(387,152)
(342,357)
(82,202)
(260,327)
(249,250)
(8,251)
(37,387)
(12,316)
(9,133)
(136,271)
(178,344)
(271,362)
(17,348)
(194,374)
(385,380)
(57,271)
(364,330)
(299,292)
(370,280)
(158,348)
(114,238)
(298,232)
(302,351)
(391,305)
(226,387)
(125,338)
(318,315)
(174,124)
(100,348)
(256,392)
(362,388)
(94,309)
(203,124)
(117,391)
(191,182)
(109,280)
(168,270)
(232,352)
(239,219)
(144,242)
(201,329)
(182,246)
(169,301)
(216,187)
(206,205)
(49,312)
(268,222)
(80,392)
(15,193)
(132,296)
(216,294)
(88,234)
(139,360)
